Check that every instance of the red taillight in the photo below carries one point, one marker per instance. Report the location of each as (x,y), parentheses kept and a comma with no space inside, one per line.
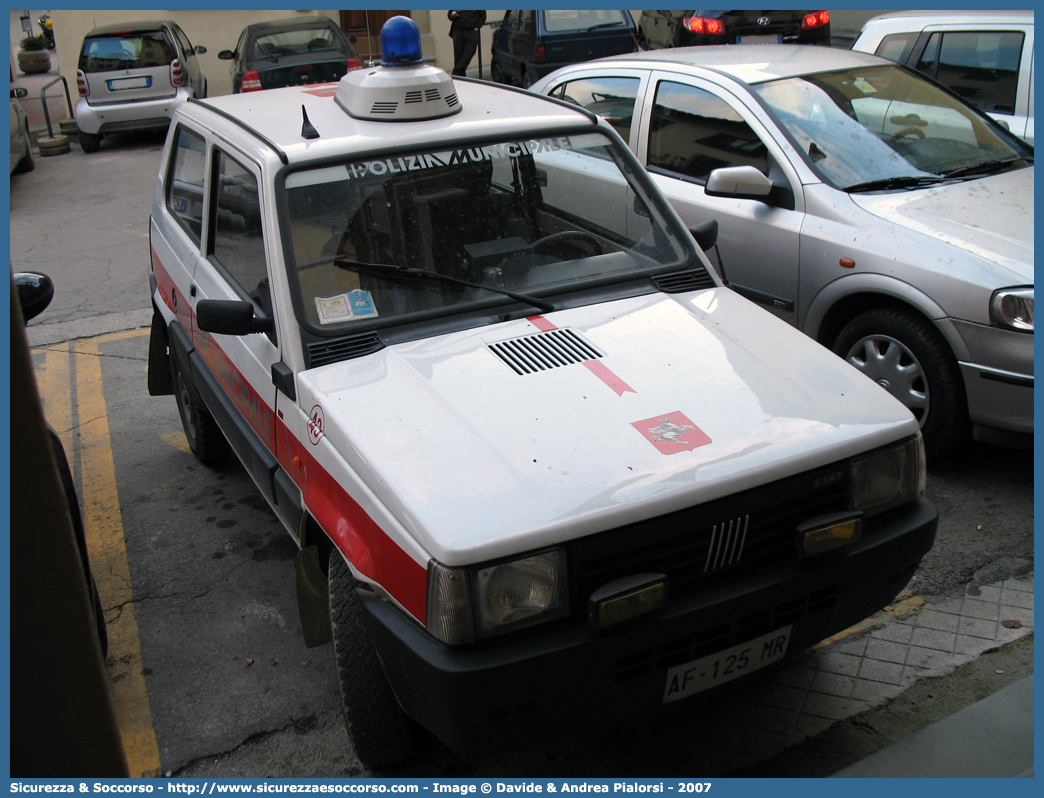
(81,83)
(712,27)
(177,74)
(251,81)
(354,63)
(540,54)
(817,19)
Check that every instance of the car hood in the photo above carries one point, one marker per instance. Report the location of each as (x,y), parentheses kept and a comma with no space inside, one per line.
(990,217)
(694,397)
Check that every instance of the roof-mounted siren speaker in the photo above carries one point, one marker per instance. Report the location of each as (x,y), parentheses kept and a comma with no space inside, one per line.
(403,88)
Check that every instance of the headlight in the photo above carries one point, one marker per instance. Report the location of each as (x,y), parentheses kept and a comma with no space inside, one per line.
(467,604)
(1013,308)
(889,477)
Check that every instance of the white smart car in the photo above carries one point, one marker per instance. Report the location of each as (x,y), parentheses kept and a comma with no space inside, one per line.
(542,466)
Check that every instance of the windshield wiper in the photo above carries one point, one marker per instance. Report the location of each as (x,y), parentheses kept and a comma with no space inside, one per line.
(616,24)
(899,181)
(984,168)
(390,269)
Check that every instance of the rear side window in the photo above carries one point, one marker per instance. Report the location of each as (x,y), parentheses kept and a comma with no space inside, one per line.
(185,183)
(129,51)
(693,132)
(982,67)
(611,98)
(892,47)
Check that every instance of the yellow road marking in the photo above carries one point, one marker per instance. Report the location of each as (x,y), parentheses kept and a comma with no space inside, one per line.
(55,385)
(103,526)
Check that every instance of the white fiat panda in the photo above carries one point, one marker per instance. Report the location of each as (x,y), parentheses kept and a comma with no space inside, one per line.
(541,465)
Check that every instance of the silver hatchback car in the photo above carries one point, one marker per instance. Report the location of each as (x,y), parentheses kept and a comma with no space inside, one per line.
(131,76)
(854,198)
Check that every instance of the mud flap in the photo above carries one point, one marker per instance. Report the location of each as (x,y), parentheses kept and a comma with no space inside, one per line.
(312,603)
(159,379)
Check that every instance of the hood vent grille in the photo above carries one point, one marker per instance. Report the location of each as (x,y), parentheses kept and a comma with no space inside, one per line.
(543,351)
(686,280)
(321,353)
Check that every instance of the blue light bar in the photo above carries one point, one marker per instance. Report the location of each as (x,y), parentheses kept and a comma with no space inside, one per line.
(400,43)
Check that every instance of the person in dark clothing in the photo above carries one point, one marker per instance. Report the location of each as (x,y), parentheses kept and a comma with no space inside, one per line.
(464,30)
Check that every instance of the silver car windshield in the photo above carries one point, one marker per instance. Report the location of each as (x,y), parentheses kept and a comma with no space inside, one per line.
(883,127)
(436,230)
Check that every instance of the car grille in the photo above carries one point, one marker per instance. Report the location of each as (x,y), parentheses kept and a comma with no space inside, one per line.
(697,545)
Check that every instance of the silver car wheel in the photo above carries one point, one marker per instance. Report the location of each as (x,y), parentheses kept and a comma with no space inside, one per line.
(895,368)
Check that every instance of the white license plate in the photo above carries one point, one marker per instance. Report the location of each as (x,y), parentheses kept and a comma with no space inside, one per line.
(118,84)
(777,39)
(710,671)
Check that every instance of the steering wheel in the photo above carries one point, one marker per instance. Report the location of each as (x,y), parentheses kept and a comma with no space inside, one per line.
(906,133)
(568,237)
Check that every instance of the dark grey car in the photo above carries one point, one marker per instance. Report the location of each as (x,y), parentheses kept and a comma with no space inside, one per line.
(290,52)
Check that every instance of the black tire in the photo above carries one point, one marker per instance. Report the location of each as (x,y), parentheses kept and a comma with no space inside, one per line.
(527,79)
(27,163)
(496,73)
(89,142)
(376,724)
(205,438)
(73,503)
(901,351)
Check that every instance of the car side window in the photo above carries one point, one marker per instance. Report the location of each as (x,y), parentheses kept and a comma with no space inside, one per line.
(894,45)
(525,22)
(186,45)
(693,132)
(611,98)
(185,182)
(982,67)
(238,243)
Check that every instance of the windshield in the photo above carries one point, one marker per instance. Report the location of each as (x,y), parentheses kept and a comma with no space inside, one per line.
(296,42)
(126,51)
(870,126)
(431,231)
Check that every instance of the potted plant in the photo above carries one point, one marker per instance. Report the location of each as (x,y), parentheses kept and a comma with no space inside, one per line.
(33,57)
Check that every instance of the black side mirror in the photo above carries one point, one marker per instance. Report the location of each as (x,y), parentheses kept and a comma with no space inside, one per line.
(226,55)
(35,292)
(706,234)
(230,317)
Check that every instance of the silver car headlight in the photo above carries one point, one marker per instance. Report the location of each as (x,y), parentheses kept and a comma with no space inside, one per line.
(889,477)
(1012,308)
(468,604)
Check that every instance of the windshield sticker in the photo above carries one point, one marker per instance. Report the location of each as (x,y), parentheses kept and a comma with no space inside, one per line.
(355,304)
(865,86)
(672,433)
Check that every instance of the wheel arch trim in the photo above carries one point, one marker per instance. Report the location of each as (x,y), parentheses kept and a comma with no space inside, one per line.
(839,301)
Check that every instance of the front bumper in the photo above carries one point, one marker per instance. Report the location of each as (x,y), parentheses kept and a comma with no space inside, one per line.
(116,117)
(512,690)
(998,377)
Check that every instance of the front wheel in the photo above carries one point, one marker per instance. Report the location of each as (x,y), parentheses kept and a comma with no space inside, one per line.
(376,723)
(904,354)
